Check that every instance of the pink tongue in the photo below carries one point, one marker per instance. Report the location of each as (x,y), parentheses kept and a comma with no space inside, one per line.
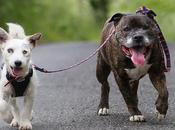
(17,72)
(137,58)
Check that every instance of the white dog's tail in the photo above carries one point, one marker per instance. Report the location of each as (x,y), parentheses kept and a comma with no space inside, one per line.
(16,31)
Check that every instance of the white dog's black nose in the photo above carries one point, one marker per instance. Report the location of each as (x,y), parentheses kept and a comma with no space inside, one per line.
(18,63)
(138,38)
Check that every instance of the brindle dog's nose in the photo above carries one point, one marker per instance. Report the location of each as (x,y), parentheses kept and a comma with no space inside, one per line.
(138,38)
(18,63)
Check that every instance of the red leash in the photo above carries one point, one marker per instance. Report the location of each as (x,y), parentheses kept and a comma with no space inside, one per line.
(164,46)
(76,64)
(15,78)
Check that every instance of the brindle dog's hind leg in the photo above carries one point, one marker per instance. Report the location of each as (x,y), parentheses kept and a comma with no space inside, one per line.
(159,82)
(129,92)
(102,73)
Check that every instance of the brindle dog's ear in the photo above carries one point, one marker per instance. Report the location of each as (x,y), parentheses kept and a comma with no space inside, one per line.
(116,18)
(151,14)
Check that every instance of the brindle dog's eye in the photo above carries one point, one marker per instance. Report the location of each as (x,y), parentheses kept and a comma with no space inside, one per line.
(126,29)
(24,52)
(10,50)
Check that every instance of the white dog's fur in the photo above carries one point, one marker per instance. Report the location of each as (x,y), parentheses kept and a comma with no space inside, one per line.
(16,46)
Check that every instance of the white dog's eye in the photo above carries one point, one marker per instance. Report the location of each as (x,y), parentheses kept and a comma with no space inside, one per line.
(10,50)
(24,52)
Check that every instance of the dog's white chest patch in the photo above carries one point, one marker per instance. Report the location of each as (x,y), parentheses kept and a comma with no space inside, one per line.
(137,72)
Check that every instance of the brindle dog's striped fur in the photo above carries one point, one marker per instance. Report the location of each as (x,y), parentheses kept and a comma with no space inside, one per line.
(112,58)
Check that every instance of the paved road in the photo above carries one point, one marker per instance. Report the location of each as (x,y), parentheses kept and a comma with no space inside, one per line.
(69,100)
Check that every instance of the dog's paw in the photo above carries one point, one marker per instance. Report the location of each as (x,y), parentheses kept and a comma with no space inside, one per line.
(25,125)
(137,118)
(159,116)
(14,123)
(103,111)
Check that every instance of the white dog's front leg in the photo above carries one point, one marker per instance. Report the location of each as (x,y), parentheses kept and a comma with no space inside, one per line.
(15,112)
(25,123)
(5,110)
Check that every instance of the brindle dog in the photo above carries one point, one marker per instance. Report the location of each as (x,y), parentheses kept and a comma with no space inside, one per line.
(130,54)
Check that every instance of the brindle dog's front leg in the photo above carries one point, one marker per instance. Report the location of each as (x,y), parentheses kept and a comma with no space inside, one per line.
(103,70)
(159,82)
(129,92)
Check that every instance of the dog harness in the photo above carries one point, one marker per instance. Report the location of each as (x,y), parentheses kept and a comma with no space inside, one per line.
(19,85)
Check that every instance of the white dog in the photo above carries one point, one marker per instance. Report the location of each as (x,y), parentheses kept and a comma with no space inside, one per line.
(18,77)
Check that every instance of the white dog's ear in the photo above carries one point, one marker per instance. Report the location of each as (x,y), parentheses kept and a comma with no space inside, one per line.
(3,35)
(33,39)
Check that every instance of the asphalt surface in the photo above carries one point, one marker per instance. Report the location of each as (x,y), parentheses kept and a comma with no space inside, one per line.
(69,100)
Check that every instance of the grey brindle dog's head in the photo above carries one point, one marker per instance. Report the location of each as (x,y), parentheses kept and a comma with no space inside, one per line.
(136,34)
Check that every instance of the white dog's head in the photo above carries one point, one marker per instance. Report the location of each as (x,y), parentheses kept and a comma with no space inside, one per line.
(16,49)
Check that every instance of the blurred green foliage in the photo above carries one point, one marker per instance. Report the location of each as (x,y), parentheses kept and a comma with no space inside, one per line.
(67,20)
(58,20)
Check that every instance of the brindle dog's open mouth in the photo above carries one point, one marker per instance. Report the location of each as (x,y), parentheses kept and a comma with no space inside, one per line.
(137,54)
